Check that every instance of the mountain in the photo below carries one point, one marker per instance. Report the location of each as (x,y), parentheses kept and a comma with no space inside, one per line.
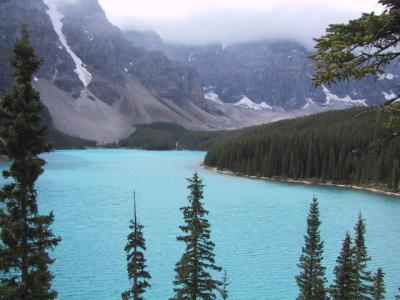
(148,40)
(269,74)
(96,85)
(99,83)
(277,73)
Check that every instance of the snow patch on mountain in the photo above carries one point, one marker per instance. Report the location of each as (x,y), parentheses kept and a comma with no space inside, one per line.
(213,97)
(309,103)
(247,103)
(389,96)
(387,76)
(56,19)
(347,100)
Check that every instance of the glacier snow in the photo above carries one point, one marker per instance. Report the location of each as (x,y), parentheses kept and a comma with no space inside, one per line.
(56,18)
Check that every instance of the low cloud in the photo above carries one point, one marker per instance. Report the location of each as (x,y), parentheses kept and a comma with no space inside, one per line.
(222,21)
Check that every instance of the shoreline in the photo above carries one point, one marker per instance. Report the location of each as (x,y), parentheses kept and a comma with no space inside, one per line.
(304,182)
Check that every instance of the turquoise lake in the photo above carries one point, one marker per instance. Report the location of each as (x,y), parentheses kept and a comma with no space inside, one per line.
(257,226)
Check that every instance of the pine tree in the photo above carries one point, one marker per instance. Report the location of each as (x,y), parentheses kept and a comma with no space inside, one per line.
(398,296)
(136,261)
(193,279)
(25,235)
(312,276)
(223,290)
(363,278)
(344,283)
(379,285)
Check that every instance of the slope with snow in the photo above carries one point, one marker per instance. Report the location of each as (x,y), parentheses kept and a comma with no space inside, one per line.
(213,97)
(309,103)
(56,19)
(387,76)
(247,103)
(332,99)
(389,96)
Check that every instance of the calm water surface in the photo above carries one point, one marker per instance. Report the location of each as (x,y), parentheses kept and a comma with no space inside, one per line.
(257,226)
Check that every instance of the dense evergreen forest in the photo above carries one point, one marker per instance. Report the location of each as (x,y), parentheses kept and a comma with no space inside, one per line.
(169,136)
(347,147)
(62,140)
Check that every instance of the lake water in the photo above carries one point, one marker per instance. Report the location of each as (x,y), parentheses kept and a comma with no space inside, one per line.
(257,226)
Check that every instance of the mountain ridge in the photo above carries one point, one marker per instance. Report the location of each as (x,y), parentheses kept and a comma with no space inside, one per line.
(99,83)
(277,72)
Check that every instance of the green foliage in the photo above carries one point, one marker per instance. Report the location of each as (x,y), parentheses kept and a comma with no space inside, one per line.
(363,278)
(343,287)
(25,235)
(223,290)
(361,47)
(61,140)
(193,279)
(346,147)
(379,285)
(136,261)
(312,279)
(168,136)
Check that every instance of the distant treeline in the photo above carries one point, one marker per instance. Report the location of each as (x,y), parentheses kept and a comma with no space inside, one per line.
(62,140)
(170,136)
(347,147)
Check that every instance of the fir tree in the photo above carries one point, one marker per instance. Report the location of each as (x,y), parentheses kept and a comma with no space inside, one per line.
(398,295)
(26,236)
(377,36)
(363,278)
(193,279)
(344,283)
(312,276)
(379,285)
(136,261)
(223,290)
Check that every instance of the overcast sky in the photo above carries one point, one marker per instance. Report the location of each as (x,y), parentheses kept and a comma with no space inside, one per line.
(227,21)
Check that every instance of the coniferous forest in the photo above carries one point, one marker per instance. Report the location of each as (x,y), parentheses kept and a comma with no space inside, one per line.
(345,147)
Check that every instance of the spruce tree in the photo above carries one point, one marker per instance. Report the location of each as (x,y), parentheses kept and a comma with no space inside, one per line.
(193,279)
(398,295)
(311,279)
(363,278)
(25,235)
(379,285)
(223,290)
(136,261)
(343,287)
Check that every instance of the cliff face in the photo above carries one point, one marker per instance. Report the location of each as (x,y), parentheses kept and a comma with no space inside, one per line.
(58,65)
(148,40)
(277,73)
(94,82)
(98,83)
(110,57)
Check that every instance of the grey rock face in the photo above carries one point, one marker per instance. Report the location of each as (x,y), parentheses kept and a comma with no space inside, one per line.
(278,73)
(58,65)
(109,55)
(148,40)
(125,84)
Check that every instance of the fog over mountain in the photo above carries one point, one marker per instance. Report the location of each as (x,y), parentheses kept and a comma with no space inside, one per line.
(207,21)
(99,82)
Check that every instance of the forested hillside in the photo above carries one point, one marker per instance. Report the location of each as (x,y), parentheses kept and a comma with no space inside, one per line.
(346,147)
(61,140)
(170,136)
